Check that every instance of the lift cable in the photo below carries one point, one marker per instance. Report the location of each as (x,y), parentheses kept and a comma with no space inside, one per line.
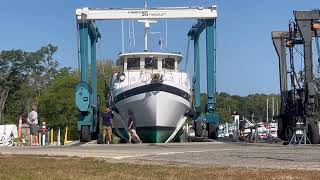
(166,40)
(122,37)
(133,35)
(187,54)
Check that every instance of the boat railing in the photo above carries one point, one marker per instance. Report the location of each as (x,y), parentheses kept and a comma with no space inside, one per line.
(169,72)
(186,80)
(143,76)
(169,75)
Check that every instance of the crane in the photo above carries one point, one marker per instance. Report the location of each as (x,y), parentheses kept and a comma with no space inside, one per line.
(86,89)
(298,104)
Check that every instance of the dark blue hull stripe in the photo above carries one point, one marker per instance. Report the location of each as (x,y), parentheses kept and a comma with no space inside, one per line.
(150,88)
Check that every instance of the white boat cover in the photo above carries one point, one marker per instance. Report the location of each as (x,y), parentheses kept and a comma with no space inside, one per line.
(7,133)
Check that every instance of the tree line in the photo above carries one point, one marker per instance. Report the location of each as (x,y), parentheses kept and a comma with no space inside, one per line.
(35,78)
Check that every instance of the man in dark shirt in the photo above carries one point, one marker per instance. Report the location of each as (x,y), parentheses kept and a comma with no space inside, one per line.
(107,125)
(132,127)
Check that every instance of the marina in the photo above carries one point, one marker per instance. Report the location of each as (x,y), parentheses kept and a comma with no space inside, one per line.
(163,92)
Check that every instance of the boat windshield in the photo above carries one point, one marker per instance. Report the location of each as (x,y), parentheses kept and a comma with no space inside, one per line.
(168,63)
(133,63)
(150,63)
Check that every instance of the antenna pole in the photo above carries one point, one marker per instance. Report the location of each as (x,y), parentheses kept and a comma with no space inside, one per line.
(122,36)
(146,36)
(146,26)
(267,109)
(272,107)
(146,31)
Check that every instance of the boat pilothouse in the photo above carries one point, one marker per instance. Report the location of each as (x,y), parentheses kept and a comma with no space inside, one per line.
(152,87)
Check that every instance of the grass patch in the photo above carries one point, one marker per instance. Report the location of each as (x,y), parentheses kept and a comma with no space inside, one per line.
(32,167)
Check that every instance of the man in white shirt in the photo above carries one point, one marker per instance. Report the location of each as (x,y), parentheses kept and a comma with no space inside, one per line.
(33,122)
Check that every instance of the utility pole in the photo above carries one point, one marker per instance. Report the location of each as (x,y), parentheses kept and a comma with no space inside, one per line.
(272,108)
(267,109)
(277,108)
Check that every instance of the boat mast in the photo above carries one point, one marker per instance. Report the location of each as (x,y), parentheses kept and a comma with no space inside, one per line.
(146,27)
(146,31)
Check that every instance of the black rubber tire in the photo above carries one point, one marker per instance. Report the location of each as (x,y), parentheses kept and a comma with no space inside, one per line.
(212,131)
(100,138)
(85,135)
(314,133)
(198,128)
(281,132)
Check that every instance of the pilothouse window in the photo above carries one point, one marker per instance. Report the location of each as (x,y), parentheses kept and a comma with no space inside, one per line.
(133,63)
(150,63)
(168,63)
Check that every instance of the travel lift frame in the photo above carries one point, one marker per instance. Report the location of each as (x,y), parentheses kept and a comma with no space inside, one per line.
(298,104)
(86,91)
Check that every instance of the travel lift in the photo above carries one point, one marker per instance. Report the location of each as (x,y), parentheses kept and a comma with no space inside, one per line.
(298,121)
(212,118)
(86,91)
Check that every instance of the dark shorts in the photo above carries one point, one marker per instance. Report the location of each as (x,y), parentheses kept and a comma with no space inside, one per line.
(34,129)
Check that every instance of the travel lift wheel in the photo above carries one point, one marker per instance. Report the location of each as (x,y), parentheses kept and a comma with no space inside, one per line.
(85,135)
(212,131)
(198,128)
(313,133)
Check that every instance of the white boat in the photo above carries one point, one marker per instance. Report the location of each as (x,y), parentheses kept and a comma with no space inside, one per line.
(151,86)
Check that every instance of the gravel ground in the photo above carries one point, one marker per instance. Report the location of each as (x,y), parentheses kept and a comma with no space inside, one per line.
(204,154)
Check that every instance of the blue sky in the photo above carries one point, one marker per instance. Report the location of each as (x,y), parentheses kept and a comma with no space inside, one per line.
(246,60)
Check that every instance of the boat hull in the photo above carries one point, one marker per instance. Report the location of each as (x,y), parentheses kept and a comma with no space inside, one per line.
(151,134)
(157,114)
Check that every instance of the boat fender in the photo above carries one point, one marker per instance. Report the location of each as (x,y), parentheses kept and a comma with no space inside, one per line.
(121,77)
(190,113)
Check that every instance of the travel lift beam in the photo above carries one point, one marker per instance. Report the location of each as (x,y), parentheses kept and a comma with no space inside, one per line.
(86,96)
(212,118)
(307,26)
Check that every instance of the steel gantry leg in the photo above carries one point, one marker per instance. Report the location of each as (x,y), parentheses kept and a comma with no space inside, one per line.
(86,90)
(279,43)
(196,76)
(94,83)
(278,39)
(212,116)
(83,34)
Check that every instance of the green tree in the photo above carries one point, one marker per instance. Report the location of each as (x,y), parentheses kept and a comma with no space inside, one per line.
(57,104)
(246,106)
(105,70)
(23,76)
